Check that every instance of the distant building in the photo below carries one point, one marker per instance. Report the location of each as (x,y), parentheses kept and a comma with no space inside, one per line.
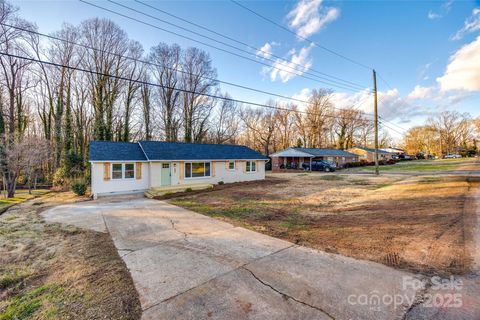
(396,151)
(294,158)
(368,154)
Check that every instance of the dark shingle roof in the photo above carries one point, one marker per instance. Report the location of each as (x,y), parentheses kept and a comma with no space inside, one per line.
(115,151)
(326,152)
(159,150)
(372,150)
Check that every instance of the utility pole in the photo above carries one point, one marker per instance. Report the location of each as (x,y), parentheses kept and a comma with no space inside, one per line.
(375,117)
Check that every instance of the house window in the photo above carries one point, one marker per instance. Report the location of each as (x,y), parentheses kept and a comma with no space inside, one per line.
(117,171)
(251,166)
(129,172)
(231,165)
(197,169)
(123,171)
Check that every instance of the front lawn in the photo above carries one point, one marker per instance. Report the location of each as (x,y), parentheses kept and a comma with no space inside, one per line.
(408,222)
(440,165)
(60,272)
(20,195)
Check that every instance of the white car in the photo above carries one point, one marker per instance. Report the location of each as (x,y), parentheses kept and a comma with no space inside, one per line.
(452,156)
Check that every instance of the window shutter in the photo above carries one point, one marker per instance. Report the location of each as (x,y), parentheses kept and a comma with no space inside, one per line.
(138,170)
(227,166)
(106,171)
(244,166)
(213,168)
(182,170)
(256,165)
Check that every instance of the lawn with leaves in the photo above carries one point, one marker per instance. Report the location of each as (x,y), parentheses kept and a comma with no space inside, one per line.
(20,195)
(60,272)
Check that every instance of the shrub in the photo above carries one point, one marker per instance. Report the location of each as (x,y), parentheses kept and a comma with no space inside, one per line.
(188,190)
(221,183)
(79,187)
(60,178)
(355,164)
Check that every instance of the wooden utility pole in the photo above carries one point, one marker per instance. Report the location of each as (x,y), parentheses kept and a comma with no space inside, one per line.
(375,119)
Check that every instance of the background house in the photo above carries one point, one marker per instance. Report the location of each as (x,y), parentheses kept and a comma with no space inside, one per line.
(294,158)
(122,167)
(368,154)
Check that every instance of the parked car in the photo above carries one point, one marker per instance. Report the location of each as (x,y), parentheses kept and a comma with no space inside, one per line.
(452,156)
(319,165)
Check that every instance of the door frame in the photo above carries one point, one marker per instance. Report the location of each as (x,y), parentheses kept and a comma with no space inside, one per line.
(169,173)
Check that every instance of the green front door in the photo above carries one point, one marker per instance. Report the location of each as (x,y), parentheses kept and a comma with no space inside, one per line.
(166,175)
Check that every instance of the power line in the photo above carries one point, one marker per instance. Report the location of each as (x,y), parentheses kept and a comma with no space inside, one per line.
(158,65)
(215,47)
(383,123)
(301,37)
(164,86)
(393,124)
(354,86)
(239,42)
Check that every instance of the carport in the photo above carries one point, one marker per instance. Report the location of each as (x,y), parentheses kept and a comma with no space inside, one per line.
(292,159)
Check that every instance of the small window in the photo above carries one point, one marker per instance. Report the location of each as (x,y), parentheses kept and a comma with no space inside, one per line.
(129,171)
(251,166)
(165,165)
(117,171)
(231,165)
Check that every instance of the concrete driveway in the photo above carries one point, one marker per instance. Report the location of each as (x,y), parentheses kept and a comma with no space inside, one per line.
(189,266)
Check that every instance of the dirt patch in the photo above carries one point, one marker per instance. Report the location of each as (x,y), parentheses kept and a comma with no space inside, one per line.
(408,222)
(59,272)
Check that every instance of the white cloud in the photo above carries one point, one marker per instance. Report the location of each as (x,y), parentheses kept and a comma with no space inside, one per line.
(420,92)
(432,15)
(295,64)
(423,72)
(309,16)
(265,51)
(444,10)
(471,24)
(303,95)
(463,69)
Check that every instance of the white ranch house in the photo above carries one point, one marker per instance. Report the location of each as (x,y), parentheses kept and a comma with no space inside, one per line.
(123,167)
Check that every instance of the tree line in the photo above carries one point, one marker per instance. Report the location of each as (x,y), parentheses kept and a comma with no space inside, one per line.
(449,132)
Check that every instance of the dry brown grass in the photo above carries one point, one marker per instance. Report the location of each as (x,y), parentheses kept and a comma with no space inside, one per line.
(408,222)
(58,272)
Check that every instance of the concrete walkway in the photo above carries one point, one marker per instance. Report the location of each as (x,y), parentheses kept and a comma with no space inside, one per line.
(189,266)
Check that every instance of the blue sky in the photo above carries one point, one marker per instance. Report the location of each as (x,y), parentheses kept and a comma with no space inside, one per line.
(410,43)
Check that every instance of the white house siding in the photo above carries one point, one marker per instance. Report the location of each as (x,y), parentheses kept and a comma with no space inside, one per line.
(221,173)
(118,186)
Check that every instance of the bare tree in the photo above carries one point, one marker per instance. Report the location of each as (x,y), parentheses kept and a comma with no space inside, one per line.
(452,127)
(197,82)
(108,60)
(166,60)
(134,73)
(260,125)
(24,157)
(225,124)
